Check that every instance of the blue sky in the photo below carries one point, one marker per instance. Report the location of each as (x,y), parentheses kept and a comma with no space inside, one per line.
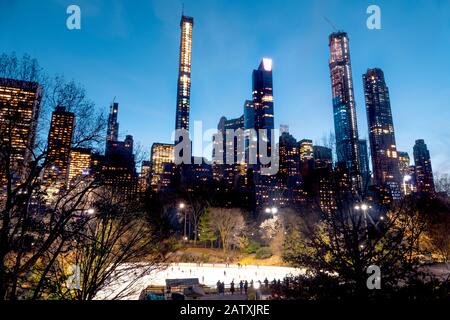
(129,50)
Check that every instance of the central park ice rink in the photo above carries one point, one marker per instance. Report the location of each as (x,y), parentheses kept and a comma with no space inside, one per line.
(129,281)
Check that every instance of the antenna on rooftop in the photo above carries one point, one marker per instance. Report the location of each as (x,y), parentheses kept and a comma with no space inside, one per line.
(331,24)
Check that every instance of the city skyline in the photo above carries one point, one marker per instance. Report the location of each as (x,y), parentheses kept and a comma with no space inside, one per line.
(138,125)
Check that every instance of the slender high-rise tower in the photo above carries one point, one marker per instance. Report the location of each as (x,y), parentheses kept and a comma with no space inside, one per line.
(381,132)
(59,146)
(113,126)
(184,74)
(423,170)
(344,109)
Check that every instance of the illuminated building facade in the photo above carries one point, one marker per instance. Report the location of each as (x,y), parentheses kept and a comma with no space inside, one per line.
(229,170)
(145,175)
(263,99)
(162,159)
(19,109)
(381,133)
(344,109)
(423,170)
(259,114)
(306,149)
(80,164)
(407,174)
(324,187)
(289,156)
(60,136)
(323,157)
(118,169)
(184,74)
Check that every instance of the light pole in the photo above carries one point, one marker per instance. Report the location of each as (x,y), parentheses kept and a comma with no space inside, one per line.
(364,207)
(182,206)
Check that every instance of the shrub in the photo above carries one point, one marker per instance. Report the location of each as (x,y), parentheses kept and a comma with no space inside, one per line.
(252,247)
(263,253)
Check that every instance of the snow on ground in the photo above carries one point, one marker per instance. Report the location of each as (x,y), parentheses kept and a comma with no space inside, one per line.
(208,274)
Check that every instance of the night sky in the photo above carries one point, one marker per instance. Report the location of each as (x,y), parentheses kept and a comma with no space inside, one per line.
(129,50)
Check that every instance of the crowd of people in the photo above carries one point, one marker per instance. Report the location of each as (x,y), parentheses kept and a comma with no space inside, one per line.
(243,286)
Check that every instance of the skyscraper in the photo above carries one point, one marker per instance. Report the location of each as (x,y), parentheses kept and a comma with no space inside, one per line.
(19,109)
(80,164)
(145,175)
(345,124)
(323,157)
(259,115)
(263,96)
(381,132)
(162,158)
(119,169)
(60,136)
(113,126)
(226,150)
(423,171)
(306,149)
(364,162)
(184,74)
(406,172)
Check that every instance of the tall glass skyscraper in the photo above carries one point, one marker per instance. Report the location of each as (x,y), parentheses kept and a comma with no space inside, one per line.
(381,132)
(346,128)
(423,171)
(184,74)
(259,114)
(113,126)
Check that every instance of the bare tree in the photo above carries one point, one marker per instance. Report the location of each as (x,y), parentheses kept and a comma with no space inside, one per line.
(228,223)
(346,242)
(110,257)
(33,229)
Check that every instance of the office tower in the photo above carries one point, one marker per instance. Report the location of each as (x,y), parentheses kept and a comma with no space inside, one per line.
(423,171)
(381,133)
(118,169)
(162,159)
(145,175)
(195,176)
(229,169)
(19,109)
(364,163)
(323,186)
(184,74)
(79,164)
(263,97)
(344,109)
(306,149)
(289,156)
(60,137)
(323,157)
(259,115)
(403,162)
(113,126)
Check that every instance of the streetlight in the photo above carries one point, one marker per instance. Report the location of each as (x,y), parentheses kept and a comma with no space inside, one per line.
(364,207)
(273,210)
(91,211)
(182,206)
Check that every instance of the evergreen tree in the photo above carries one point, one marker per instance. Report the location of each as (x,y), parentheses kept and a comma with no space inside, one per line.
(206,231)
